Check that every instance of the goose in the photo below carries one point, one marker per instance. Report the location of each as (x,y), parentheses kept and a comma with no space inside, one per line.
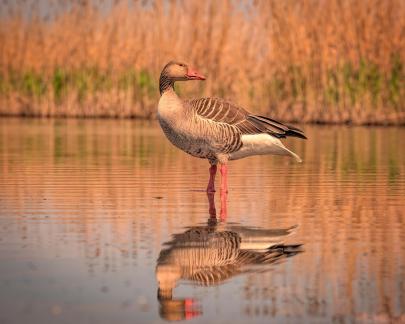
(216,129)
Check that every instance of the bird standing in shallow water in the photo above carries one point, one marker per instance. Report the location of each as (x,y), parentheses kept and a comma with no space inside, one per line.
(215,129)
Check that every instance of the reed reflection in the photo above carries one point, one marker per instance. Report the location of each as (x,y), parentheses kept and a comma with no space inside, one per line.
(211,254)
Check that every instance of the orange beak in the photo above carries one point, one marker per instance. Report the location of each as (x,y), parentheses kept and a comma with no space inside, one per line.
(194,75)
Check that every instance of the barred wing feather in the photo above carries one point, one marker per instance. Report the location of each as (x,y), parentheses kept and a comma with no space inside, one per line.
(222,111)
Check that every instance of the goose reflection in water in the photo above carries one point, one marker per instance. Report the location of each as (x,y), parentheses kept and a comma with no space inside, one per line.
(210,254)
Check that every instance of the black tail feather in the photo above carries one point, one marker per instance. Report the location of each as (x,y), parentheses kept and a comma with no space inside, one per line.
(278,129)
(295,133)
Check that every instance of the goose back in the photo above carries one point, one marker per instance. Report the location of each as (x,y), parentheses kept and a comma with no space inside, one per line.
(220,110)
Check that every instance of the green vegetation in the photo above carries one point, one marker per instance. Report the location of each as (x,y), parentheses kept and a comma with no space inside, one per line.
(83,83)
(345,86)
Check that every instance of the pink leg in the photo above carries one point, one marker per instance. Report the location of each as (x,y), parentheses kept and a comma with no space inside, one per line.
(224,209)
(224,177)
(224,191)
(211,182)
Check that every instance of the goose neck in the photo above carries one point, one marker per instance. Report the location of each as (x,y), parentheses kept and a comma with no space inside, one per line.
(165,83)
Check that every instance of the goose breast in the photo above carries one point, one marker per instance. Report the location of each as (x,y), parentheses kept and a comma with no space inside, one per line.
(196,135)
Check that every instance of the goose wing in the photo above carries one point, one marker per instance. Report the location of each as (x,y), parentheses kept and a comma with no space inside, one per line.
(220,110)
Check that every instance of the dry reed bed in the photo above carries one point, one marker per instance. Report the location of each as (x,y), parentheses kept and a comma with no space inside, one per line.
(309,61)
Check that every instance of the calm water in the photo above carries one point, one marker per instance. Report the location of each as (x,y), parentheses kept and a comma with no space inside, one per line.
(103,221)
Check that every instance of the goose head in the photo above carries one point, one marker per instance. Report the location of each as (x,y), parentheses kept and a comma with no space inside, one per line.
(176,71)
(181,72)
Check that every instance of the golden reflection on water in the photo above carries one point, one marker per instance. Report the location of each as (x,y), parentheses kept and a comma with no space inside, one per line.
(86,206)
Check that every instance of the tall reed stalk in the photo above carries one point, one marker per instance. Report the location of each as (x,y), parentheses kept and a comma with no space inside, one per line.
(328,61)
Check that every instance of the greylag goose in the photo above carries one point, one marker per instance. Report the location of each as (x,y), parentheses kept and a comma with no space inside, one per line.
(215,129)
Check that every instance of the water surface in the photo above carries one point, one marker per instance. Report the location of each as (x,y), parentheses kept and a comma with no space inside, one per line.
(104,221)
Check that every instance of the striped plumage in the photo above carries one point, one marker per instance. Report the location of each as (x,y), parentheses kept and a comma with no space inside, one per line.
(215,129)
(208,255)
(222,111)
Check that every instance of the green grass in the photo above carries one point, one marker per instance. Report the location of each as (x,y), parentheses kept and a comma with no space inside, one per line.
(84,82)
(348,84)
(365,84)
